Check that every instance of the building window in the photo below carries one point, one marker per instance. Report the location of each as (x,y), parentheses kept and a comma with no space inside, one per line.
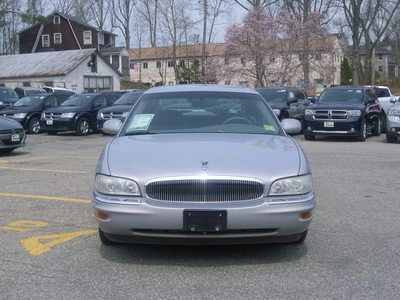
(2,84)
(145,65)
(57,38)
(45,40)
(380,56)
(87,37)
(132,65)
(380,69)
(56,19)
(26,84)
(228,82)
(182,63)
(170,64)
(48,83)
(158,64)
(318,56)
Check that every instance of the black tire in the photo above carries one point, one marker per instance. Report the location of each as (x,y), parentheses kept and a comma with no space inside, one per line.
(34,126)
(7,150)
(52,132)
(390,138)
(309,137)
(302,237)
(376,131)
(104,239)
(83,127)
(383,117)
(362,136)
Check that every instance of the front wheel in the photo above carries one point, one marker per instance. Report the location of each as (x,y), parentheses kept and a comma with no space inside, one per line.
(82,128)
(7,150)
(34,126)
(363,132)
(376,131)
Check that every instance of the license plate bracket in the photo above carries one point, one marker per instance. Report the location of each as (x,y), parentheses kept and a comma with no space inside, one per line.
(49,122)
(329,124)
(204,220)
(15,137)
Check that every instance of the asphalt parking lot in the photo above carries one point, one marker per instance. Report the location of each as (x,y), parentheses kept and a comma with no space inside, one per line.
(50,249)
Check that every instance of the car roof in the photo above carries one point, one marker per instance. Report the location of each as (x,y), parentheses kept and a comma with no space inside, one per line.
(275,88)
(359,87)
(200,88)
(6,88)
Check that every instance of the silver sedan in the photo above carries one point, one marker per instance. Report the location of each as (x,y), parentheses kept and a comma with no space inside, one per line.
(393,123)
(202,164)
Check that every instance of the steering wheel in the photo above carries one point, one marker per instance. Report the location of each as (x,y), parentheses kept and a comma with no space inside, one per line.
(234,119)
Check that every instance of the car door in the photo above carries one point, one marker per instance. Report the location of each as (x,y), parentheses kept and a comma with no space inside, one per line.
(373,107)
(297,107)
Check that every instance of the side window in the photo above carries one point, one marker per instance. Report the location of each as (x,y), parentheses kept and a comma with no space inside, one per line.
(299,95)
(100,101)
(50,101)
(291,96)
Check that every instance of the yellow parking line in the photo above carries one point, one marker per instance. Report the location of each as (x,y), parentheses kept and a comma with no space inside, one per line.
(3,161)
(52,198)
(26,159)
(43,170)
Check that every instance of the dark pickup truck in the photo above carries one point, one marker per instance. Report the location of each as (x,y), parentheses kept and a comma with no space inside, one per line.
(344,111)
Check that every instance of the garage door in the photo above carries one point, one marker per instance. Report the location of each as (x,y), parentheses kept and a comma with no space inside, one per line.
(95,84)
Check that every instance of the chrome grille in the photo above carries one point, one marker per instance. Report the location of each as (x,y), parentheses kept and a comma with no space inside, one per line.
(330,115)
(205,190)
(111,115)
(53,116)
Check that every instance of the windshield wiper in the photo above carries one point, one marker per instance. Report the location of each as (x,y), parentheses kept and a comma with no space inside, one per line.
(140,133)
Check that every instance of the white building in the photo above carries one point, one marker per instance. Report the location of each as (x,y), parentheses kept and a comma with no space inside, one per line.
(78,70)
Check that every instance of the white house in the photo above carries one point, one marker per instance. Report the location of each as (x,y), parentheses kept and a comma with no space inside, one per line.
(78,70)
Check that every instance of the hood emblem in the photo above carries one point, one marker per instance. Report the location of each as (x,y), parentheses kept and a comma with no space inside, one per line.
(204,165)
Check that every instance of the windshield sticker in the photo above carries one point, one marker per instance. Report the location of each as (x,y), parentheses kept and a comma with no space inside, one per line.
(270,128)
(281,91)
(141,122)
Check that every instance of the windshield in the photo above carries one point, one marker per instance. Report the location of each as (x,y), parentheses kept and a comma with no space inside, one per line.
(381,92)
(128,98)
(4,94)
(30,101)
(342,96)
(274,95)
(201,112)
(79,100)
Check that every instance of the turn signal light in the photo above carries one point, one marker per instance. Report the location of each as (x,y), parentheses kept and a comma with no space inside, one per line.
(102,215)
(306,215)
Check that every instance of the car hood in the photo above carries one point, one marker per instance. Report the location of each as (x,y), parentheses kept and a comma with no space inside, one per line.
(65,109)
(145,157)
(7,124)
(117,109)
(337,106)
(16,110)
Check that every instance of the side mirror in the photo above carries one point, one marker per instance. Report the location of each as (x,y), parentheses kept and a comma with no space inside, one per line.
(312,99)
(112,126)
(291,126)
(2,105)
(393,100)
(371,100)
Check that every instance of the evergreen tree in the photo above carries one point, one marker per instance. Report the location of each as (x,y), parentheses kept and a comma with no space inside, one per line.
(345,72)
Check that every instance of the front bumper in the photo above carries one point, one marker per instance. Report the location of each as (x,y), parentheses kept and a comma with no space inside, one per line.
(160,222)
(340,127)
(393,126)
(58,125)
(7,143)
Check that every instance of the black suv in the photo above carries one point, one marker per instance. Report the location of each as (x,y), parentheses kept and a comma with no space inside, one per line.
(344,110)
(119,110)
(78,113)
(27,110)
(7,97)
(286,102)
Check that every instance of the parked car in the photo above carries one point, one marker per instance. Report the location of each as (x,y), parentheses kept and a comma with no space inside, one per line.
(120,109)
(344,111)
(204,165)
(393,122)
(7,97)
(286,102)
(386,99)
(78,113)
(22,92)
(12,135)
(55,89)
(27,110)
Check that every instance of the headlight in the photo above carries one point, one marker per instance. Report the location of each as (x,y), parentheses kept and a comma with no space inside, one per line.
(99,115)
(116,186)
(277,112)
(19,116)
(394,112)
(68,115)
(125,114)
(354,113)
(291,186)
(309,112)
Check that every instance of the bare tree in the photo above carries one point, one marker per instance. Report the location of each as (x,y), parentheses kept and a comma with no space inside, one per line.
(122,13)
(255,4)
(99,11)
(216,9)
(149,10)
(10,23)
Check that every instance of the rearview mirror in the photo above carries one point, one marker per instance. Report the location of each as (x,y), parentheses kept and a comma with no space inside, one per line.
(112,126)
(291,126)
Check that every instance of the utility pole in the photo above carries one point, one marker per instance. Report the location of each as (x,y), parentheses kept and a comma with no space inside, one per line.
(203,49)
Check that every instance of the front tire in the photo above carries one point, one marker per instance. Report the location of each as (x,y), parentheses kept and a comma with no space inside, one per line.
(7,150)
(34,126)
(363,132)
(82,128)
(376,131)
(302,237)
(390,138)
(104,239)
